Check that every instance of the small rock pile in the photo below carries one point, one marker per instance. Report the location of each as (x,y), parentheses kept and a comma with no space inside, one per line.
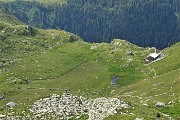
(67,106)
(160,104)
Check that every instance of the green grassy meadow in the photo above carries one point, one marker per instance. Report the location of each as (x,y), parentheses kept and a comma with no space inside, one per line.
(35,63)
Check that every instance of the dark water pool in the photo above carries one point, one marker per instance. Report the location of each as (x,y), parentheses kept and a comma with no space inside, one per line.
(115,80)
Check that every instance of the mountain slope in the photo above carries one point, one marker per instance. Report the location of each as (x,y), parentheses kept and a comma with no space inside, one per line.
(161,87)
(145,22)
(36,63)
(6,17)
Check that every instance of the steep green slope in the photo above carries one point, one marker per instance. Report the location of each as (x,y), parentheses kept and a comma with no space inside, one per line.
(6,17)
(147,93)
(170,63)
(163,87)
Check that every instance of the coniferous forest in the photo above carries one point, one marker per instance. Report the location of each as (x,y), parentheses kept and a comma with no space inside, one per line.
(142,22)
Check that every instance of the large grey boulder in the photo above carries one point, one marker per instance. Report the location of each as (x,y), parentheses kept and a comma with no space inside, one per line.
(2,37)
(11,104)
(139,119)
(160,104)
(2,116)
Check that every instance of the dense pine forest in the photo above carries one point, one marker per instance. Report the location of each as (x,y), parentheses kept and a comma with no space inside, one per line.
(143,22)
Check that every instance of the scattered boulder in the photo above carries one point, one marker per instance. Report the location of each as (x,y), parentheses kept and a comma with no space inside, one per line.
(160,104)
(2,116)
(93,47)
(139,119)
(145,104)
(117,43)
(11,104)
(30,31)
(129,53)
(170,102)
(72,38)
(2,37)
(1,97)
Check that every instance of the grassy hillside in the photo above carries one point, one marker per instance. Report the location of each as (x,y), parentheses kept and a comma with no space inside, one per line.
(171,62)
(163,87)
(52,61)
(6,17)
(35,63)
